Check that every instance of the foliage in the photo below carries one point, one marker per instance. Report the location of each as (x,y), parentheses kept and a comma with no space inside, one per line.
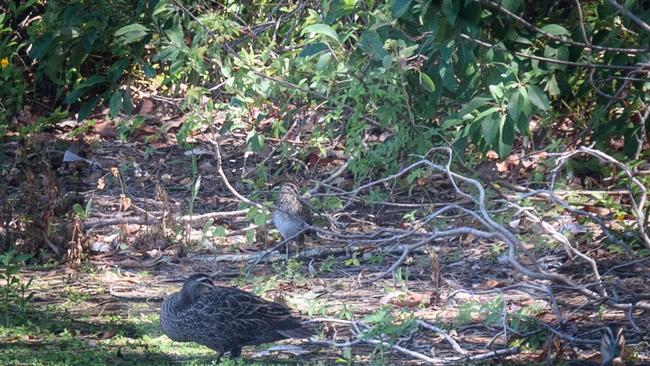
(14,290)
(388,78)
(14,86)
(83,50)
(389,323)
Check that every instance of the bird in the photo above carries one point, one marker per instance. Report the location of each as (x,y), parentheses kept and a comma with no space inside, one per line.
(225,319)
(612,348)
(612,344)
(290,215)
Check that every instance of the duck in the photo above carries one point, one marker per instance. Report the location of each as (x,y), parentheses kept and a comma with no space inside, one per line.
(225,319)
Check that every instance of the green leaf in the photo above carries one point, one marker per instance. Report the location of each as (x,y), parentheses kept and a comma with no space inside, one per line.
(86,108)
(313,49)
(338,9)
(515,105)
(149,71)
(486,112)
(127,103)
(323,30)
(513,5)
(451,122)
(399,8)
(131,33)
(552,87)
(41,46)
(563,53)
(332,203)
(471,106)
(496,90)
(427,83)
(450,9)
(387,61)
(490,127)
(117,69)
(507,137)
(631,143)
(522,124)
(83,87)
(259,218)
(555,30)
(255,142)
(448,79)
(250,236)
(527,106)
(175,35)
(537,97)
(115,104)
(323,61)
(372,45)
(219,231)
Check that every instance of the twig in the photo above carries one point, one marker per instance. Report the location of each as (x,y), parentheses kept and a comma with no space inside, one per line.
(217,154)
(443,333)
(637,67)
(585,45)
(272,152)
(629,14)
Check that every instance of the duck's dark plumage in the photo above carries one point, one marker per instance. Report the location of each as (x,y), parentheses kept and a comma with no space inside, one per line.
(225,318)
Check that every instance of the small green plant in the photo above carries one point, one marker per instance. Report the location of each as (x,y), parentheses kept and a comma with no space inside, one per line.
(316,307)
(401,277)
(353,261)
(389,324)
(14,86)
(328,264)
(466,312)
(496,249)
(14,289)
(290,270)
(410,216)
(76,296)
(493,311)
(346,358)
(376,258)
(126,127)
(261,284)
(80,212)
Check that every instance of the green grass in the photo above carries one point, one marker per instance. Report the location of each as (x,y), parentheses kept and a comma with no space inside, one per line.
(39,341)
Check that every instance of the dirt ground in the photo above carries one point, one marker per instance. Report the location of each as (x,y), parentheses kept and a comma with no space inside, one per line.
(144,233)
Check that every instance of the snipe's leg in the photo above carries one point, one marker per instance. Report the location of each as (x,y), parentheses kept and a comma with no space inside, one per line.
(235,352)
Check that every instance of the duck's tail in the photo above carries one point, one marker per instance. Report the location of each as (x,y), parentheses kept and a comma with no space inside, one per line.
(300,332)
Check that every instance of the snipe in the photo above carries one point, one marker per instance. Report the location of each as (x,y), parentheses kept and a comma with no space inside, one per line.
(290,215)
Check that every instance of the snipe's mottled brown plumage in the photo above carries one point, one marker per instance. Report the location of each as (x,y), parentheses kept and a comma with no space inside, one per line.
(291,215)
(224,318)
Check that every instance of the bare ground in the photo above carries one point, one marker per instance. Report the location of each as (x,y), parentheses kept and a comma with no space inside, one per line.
(137,246)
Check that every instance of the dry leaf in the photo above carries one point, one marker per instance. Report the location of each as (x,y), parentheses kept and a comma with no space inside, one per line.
(492,155)
(108,334)
(125,203)
(492,283)
(411,299)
